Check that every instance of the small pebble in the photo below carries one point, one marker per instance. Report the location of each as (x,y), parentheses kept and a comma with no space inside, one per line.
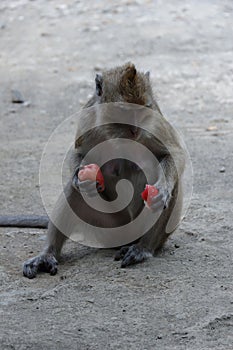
(97,69)
(91,301)
(222,169)
(12,110)
(27,104)
(16,97)
(212,128)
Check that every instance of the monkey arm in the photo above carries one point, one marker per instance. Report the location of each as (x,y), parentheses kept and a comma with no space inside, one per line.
(169,172)
(75,160)
(171,167)
(165,201)
(85,177)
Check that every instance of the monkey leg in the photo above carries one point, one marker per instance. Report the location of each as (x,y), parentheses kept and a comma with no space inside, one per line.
(47,260)
(146,246)
(155,238)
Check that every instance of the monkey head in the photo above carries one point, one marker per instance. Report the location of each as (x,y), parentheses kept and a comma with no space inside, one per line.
(124,84)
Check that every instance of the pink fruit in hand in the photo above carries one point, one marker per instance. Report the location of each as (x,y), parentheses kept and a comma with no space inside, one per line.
(92,172)
(149,193)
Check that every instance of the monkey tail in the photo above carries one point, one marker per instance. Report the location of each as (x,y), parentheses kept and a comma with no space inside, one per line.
(34,221)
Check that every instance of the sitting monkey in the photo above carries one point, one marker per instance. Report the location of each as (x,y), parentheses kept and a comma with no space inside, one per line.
(123,84)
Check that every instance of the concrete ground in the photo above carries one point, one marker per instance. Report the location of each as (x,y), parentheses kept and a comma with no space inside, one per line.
(182,298)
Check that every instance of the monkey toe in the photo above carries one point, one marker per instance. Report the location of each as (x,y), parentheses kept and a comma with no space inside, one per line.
(30,268)
(29,272)
(121,253)
(135,255)
(48,263)
(43,263)
(52,266)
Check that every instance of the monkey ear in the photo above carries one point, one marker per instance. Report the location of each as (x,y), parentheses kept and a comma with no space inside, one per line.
(99,84)
(130,73)
(147,74)
(149,104)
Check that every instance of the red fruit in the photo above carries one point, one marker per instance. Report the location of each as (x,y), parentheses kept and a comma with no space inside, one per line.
(149,193)
(100,180)
(92,172)
(144,194)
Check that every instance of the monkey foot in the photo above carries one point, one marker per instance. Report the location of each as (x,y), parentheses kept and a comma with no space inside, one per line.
(131,255)
(40,263)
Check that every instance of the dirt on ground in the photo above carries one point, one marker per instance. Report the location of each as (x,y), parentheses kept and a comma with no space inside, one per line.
(50,52)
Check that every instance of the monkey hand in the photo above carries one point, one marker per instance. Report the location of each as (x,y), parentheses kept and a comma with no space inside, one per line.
(155,198)
(88,179)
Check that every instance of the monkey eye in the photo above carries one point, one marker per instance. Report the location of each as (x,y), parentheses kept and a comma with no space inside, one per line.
(99,84)
(135,167)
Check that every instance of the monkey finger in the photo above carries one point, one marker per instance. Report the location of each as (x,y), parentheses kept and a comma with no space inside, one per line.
(162,198)
(157,199)
(83,186)
(88,187)
(156,203)
(121,253)
(90,194)
(135,255)
(157,207)
(75,182)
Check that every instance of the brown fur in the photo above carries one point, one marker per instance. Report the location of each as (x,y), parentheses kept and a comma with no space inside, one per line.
(122,84)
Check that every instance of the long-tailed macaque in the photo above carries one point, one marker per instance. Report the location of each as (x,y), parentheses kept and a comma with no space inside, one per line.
(121,84)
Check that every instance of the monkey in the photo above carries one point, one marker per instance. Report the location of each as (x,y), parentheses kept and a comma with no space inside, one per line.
(127,85)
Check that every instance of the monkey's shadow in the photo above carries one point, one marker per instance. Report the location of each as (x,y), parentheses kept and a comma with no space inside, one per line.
(74,253)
